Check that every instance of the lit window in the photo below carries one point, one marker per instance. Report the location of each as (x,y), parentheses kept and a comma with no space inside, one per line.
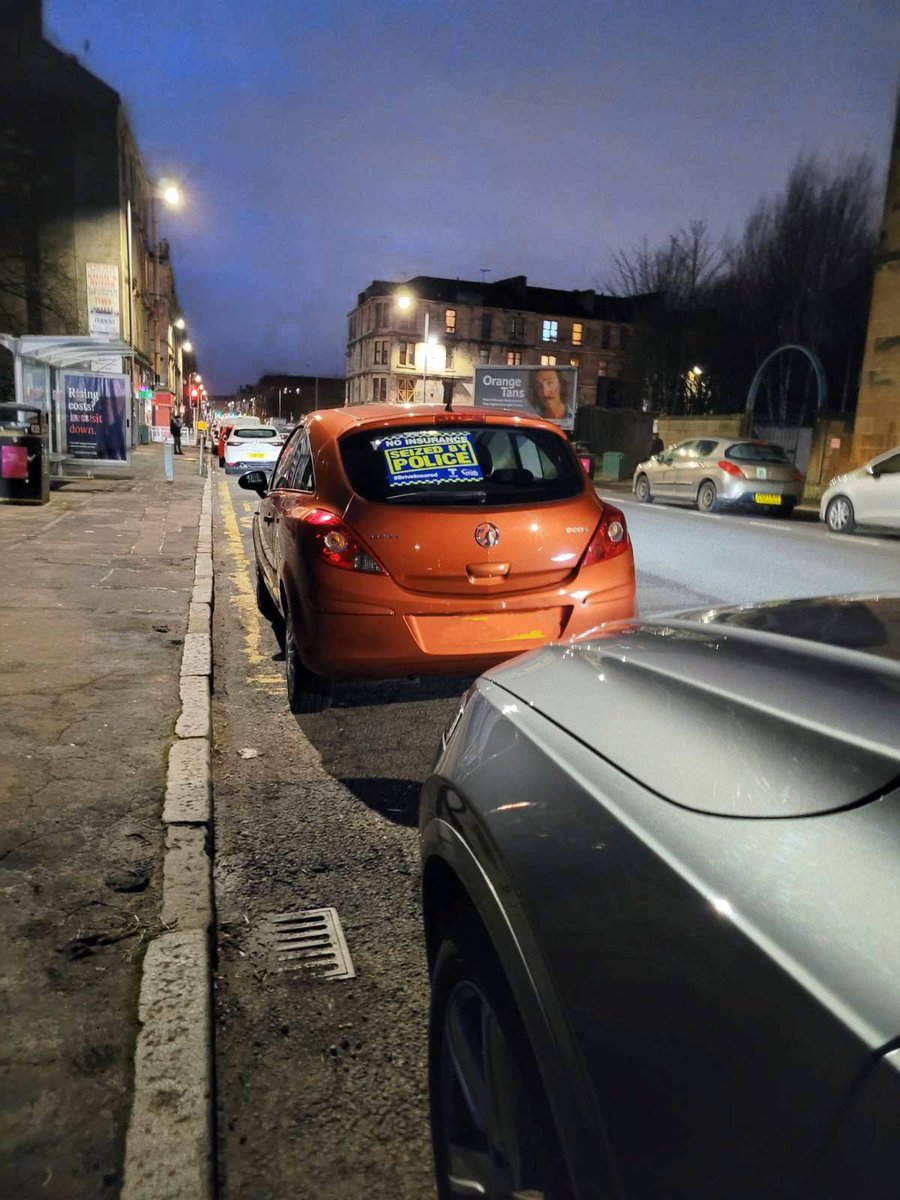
(577,334)
(574,361)
(548,360)
(551,331)
(450,320)
(406,391)
(514,358)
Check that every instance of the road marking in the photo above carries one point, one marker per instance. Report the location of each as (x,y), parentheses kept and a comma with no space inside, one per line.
(244,597)
(248,507)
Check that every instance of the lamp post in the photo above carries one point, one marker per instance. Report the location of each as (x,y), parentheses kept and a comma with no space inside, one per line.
(170,195)
(404,301)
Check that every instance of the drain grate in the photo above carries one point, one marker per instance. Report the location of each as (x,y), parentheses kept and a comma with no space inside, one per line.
(312,942)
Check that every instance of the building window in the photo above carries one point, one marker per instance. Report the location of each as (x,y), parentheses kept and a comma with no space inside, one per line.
(450,320)
(551,331)
(379,314)
(486,326)
(406,391)
(605,336)
(517,327)
(379,390)
(514,358)
(548,360)
(624,336)
(381,352)
(407,354)
(449,356)
(484,354)
(603,367)
(577,333)
(574,360)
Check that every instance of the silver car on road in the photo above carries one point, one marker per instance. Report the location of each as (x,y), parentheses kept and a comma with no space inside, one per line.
(715,473)
(661,900)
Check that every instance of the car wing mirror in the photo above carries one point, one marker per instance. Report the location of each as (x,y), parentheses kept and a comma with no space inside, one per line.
(874,471)
(255,481)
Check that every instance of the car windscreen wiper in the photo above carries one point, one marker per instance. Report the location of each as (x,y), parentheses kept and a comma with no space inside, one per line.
(441,495)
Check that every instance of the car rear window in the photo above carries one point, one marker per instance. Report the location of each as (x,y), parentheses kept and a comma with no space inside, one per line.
(256,433)
(756,452)
(461,465)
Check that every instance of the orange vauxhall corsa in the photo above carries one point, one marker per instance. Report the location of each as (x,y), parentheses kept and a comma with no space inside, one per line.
(410,540)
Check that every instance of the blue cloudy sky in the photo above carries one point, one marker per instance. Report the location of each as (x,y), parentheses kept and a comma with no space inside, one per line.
(322,145)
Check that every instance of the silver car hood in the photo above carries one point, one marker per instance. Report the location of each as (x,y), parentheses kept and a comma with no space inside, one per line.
(766,723)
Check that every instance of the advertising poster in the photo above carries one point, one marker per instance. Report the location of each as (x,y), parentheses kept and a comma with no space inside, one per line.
(548,392)
(96,407)
(103,298)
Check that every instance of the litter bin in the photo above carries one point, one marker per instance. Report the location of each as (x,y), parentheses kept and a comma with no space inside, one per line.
(586,457)
(615,465)
(24,455)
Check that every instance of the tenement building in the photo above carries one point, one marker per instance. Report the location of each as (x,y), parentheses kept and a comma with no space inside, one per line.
(423,339)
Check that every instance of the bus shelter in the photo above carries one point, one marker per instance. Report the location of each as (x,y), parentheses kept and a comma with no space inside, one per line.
(80,386)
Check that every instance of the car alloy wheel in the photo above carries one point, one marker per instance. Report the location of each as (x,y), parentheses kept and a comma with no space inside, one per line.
(839,516)
(706,497)
(642,490)
(491,1127)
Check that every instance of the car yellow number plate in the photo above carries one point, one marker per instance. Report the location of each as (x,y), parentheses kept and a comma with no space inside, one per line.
(256,454)
(767,498)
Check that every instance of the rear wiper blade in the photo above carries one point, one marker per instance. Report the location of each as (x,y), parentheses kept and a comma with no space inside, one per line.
(431,494)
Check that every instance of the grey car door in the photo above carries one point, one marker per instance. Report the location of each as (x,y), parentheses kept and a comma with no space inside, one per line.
(684,471)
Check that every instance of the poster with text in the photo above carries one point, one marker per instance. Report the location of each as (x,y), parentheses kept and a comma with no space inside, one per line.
(550,392)
(103,298)
(96,407)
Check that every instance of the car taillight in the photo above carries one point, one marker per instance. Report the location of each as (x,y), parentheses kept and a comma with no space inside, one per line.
(333,543)
(730,468)
(610,537)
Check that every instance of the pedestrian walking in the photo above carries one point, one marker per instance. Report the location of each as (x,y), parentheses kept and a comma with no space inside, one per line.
(656,446)
(175,430)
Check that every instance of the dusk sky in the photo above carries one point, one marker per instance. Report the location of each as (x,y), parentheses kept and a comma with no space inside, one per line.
(323,145)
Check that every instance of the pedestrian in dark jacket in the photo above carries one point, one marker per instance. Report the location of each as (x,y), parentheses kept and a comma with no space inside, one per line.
(175,430)
(656,446)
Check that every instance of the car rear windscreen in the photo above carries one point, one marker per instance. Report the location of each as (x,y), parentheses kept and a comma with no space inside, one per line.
(256,433)
(461,464)
(754,452)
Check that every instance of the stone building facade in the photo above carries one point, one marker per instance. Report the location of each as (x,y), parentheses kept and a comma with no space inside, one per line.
(504,323)
(877,424)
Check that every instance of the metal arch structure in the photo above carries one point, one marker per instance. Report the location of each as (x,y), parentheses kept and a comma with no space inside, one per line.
(821,381)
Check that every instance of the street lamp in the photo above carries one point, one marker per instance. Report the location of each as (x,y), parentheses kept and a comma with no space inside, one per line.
(404,301)
(179,323)
(187,346)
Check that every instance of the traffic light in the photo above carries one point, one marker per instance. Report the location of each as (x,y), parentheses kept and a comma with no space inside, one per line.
(194,393)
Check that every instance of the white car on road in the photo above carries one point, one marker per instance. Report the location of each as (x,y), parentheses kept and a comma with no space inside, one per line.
(252,447)
(870,495)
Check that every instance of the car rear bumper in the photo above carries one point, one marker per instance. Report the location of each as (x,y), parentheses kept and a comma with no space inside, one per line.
(440,635)
(752,493)
(239,468)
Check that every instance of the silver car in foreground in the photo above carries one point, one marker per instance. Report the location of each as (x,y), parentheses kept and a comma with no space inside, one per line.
(870,495)
(661,890)
(716,473)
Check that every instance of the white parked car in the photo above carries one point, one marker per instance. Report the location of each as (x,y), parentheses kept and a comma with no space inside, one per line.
(870,495)
(252,447)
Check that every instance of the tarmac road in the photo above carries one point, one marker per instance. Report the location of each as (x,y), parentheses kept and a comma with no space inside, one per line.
(322,1085)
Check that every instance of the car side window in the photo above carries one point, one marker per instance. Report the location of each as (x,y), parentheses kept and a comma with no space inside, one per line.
(685,451)
(282,471)
(301,479)
(889,466)
(704,449)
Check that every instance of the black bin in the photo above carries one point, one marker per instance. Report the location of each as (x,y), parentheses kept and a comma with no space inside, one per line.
(24,459)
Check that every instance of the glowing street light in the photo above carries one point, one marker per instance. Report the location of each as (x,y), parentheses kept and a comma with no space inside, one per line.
(187,346)
(179,322)
(170,194)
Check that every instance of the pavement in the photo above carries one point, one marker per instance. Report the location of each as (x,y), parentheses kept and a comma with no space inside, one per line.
(95,598)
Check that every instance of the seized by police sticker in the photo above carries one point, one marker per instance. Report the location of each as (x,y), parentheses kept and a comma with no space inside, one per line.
(430,456)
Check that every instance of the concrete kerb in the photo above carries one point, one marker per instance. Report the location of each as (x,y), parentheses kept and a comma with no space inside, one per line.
(169,1147)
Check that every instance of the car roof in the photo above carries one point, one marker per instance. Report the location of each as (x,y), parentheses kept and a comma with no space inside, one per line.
(777,710)
(337,421)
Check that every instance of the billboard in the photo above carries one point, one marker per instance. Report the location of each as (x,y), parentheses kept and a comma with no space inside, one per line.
(549,392)
(95,407)
(103,298)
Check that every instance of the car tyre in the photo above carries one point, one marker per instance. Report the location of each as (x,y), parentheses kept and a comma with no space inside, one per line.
(264,601)
(707,497)
(307,692)
(839,515)
(784,511)
(642,490)
(478,1047)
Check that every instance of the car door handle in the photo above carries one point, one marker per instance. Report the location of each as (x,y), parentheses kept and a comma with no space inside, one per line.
(268,520)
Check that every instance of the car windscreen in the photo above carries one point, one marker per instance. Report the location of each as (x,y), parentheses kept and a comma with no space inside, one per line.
(756,452)
(255,433)
(461,465)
